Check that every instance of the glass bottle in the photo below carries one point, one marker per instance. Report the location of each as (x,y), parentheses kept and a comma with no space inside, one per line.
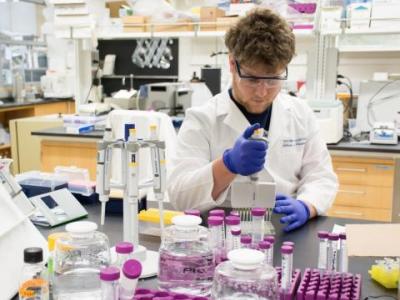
(245,276)
(33,285)
(79,257)
(186,262)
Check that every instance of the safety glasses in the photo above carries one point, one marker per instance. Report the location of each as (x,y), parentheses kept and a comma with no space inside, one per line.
(255,81)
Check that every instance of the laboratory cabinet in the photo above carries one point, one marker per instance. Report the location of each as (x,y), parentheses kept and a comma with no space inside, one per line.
(366,187)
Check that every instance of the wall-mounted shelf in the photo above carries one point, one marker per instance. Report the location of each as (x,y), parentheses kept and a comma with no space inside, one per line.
(23,43)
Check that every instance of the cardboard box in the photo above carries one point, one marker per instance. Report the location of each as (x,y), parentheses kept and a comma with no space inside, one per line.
(134,23)
(210,15)
(226,22)
(179,25)
(114,7)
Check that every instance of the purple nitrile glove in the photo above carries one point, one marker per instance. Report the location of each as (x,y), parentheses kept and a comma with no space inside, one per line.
(296,211)
(247,156)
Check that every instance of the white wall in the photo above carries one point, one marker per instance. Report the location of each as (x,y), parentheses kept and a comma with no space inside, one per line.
(18,17)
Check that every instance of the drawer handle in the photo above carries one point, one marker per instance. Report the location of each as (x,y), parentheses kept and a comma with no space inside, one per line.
(352,170)
(345,212)
(352,192)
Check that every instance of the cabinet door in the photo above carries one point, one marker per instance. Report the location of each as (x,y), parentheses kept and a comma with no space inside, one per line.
(53,108)
(365,173)
(364,196)
(361,213)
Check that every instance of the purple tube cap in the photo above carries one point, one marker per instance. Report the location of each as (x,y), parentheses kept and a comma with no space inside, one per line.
(232,220)
(288,243)
(245,239)
(323,234)
(264,245)
(236,231)
(132,269)
(192,212)
(342,236)
(109,274)
(215,221)
(286,250)
(234,213)
(258,212)
(333,237)
(270,239)
(124,248)
(216,213)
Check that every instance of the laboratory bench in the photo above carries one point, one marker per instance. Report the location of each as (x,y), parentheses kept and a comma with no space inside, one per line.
(368,174)
(305,239)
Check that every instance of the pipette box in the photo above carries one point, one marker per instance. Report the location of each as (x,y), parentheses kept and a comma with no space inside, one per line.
(37,186)
(327,286)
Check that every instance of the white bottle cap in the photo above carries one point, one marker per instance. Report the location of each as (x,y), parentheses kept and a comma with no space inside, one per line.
(246,259)
(81,227)
(186,221)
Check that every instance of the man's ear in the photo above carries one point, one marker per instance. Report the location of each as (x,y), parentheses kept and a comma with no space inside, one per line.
(232,66)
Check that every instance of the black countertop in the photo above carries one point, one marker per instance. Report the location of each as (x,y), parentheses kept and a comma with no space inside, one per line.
(305,239)
(10,103)
(343,145)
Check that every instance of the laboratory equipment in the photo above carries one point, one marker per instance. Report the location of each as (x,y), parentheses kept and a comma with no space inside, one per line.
(110,283)
(33,284)
(329,116)
(124,251)
(57,85)
(129,182)
(245,276)
(383,133)
(51,240)
(109,63)
(79,257)
(333,240)
(235,232)
(57,207)
(149,220)
(123,99)
(287,267)
(386,272)
(245,241)
(271,240)
(327,286)
(343,261)
(172,98)
(257,219)
(265,247)
(231,222)
(378,101)
(186,262)
(323,250)
(131,271)
(217,238)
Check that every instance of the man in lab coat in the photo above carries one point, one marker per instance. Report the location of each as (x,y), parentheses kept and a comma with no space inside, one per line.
(213,143)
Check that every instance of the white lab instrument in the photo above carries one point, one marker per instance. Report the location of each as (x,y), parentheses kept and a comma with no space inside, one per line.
(383,133)
(123,99)
(56,207)
(129,183)
(93,109)
(109,63)
(379,101)
(57,85)
(330,119)
(170,97)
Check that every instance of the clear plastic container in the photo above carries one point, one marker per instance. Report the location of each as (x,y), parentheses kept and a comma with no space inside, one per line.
(79,257)
(245,276)
(186,262)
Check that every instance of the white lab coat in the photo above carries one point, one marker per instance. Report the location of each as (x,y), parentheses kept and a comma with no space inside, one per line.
(297,158)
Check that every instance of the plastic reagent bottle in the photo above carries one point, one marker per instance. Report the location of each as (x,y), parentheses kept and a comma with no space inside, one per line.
(231,222)
(131,271)
(287,267)
(32,283)
(257,220)
(110,283)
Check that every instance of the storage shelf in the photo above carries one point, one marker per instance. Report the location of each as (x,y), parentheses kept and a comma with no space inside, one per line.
(367,49)
(23,43)
(176,34)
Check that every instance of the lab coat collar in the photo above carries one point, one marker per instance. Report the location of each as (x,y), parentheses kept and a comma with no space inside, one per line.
(237,121)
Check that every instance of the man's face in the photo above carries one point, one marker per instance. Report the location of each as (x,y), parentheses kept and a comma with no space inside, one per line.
(255,86)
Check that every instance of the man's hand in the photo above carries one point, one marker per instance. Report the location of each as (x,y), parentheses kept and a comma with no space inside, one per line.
(247,156)
(296,211)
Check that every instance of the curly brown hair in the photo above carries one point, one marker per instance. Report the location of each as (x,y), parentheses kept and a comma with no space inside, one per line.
(263,37)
